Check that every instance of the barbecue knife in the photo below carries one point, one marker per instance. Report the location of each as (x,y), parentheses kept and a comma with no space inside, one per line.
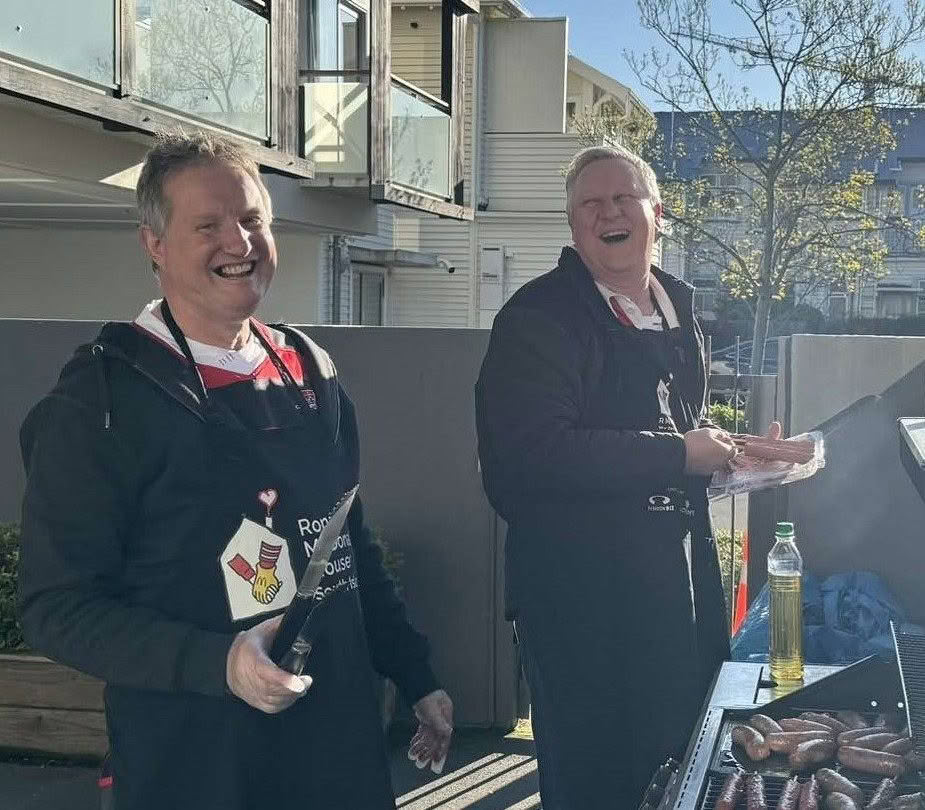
(288,651)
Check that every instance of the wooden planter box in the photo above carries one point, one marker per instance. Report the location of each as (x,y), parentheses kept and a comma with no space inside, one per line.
(49,708)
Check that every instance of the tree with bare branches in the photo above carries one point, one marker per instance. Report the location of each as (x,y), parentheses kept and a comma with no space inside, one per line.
(208,57)
(783,192)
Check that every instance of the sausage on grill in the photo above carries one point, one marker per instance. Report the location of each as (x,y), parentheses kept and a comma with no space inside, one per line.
(796,724)
(754,792)
(786,741)
(848,737)
(810,753)
(876,742)
(731,792)
(754,743)
(833,782)
(839,801)
(836,725)
(810,794)
(901,746)
(884,793)
(876,762)
(911,801)
(764,724)
(789,795)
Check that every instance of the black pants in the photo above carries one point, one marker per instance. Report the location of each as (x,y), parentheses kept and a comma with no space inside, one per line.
(600,731)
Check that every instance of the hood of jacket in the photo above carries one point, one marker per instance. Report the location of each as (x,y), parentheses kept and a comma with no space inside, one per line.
(123,346)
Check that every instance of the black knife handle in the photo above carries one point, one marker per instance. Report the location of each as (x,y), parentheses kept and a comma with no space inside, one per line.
(289,629)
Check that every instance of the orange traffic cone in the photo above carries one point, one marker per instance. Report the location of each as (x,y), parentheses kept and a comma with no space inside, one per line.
(741,603)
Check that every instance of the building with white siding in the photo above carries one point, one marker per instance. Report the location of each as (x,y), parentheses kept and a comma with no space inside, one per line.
(522,88)
(343,133)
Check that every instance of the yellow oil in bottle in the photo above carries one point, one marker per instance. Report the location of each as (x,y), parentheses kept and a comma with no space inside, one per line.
(786,630)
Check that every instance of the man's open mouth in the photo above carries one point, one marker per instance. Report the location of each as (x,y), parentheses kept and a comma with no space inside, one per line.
(612,237)
(235,270)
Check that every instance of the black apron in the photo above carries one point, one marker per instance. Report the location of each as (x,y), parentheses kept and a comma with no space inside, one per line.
(184,750)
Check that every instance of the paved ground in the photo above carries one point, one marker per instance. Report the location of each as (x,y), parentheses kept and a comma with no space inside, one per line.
(721,510)
(485,771)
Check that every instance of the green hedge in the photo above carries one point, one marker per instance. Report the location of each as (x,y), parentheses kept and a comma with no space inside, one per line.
(723,416)
(10,630)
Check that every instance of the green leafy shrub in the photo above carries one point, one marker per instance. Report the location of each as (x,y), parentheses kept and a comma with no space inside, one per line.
(10,629)
(724,416)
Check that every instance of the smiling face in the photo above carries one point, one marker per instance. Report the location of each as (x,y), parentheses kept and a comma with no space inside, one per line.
(216,257)
(614,221)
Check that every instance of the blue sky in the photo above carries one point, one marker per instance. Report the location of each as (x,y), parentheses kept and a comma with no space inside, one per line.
(601,30)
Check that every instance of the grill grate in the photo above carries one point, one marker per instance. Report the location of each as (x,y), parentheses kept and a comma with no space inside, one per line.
(774,785)
(910,655)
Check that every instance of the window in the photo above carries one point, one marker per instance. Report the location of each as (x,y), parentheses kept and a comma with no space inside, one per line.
(207,59)
(896,303)
(337,37)
(838,306)
(569,110)
(368,296)
(920,301)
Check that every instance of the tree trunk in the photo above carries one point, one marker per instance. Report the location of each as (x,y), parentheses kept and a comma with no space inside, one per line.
(760,331)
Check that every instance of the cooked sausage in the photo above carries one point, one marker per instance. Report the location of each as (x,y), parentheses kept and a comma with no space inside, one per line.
(796,724)
(868,761)
(764,724)
(885,791)
(847,737)
(754,743)
(789,795)
(836,725)
(833,782)
(851,718)
(839,801)
(812,752)
(876,742)
(915,761)
(911,801)
(732,791)
(810,794)
(786,741)
(901,746)
(754,792)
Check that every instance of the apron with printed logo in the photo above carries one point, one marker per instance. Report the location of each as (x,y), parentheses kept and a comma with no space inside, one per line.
(271,490)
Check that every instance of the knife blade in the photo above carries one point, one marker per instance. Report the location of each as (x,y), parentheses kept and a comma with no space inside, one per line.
(301,605)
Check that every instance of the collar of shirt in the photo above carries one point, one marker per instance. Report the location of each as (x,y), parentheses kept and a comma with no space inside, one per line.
(245,360)
(634,315)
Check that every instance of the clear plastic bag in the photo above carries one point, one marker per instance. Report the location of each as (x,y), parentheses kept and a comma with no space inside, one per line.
(747,473)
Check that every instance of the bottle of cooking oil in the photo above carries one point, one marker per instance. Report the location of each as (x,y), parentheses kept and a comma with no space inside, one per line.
(785,581)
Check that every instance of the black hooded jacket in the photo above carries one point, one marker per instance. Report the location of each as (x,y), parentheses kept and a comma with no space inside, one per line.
(119,479)
(582,459)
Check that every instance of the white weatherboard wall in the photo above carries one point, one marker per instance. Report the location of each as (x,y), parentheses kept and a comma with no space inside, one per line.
(417,46)
(525,70)
(430,296)
(53,271)
(526,172)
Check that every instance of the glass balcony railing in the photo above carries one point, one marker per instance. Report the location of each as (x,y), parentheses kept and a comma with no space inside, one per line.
(205,58)
(74,38)
(420,141)
(336,122)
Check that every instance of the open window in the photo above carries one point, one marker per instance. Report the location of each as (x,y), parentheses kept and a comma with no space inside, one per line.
(382,96)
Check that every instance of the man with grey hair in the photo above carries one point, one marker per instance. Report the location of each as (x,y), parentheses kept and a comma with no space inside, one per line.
(179,477)
(594,447)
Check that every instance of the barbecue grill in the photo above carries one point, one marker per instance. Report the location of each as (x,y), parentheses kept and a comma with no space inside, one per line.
(871,686)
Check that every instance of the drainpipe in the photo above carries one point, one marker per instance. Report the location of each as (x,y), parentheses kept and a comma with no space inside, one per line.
(340,264)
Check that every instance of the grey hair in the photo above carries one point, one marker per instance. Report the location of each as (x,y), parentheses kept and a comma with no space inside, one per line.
(592,154)
(174,151)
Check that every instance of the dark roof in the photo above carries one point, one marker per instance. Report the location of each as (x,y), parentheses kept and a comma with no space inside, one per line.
(908,125)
